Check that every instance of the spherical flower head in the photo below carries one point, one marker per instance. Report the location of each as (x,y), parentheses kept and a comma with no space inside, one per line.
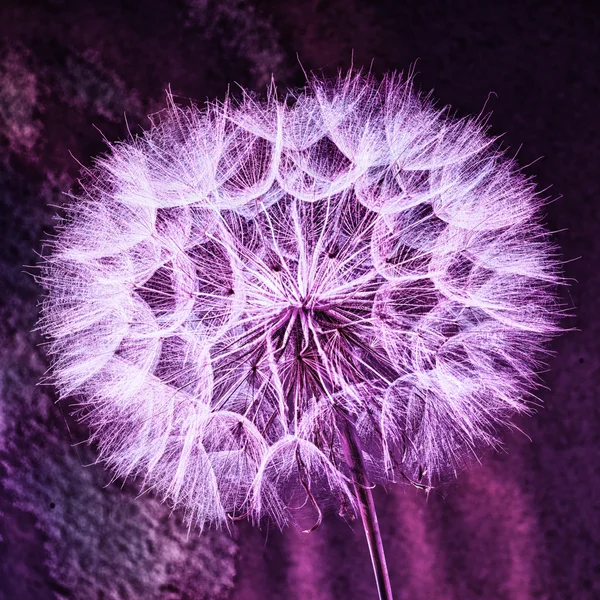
(233,288)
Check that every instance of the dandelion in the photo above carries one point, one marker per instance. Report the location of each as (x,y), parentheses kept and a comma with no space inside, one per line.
(263,308)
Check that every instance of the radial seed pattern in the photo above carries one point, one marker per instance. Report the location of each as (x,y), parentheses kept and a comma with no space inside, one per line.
(231,284)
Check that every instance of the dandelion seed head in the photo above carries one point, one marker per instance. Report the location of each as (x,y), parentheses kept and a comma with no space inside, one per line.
(229,285)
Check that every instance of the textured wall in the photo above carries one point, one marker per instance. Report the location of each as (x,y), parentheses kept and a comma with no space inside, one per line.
(523,525)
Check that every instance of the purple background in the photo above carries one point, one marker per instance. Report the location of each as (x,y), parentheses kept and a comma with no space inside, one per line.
(523,525)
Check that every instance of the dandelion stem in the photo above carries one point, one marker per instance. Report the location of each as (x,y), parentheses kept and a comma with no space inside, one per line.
(364,497)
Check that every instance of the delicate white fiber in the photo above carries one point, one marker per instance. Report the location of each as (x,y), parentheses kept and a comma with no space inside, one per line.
(229,285)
